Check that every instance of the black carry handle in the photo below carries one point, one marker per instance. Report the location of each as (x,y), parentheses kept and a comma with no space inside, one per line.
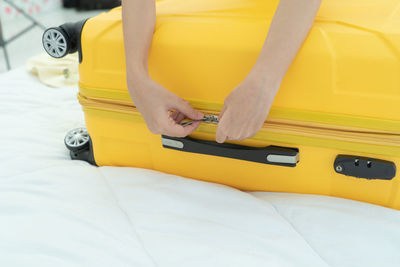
(274,155)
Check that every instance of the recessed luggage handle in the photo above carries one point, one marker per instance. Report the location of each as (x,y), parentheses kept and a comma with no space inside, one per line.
(273,155)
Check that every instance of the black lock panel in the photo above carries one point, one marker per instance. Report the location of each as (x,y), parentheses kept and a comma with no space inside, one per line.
(362,167)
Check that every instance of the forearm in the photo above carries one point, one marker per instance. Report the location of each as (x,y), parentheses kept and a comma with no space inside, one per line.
(292,21)
(138,17)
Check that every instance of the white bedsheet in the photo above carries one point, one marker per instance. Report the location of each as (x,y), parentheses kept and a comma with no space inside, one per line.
(58,212)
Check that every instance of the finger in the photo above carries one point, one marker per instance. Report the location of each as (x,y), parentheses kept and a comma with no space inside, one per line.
(176,130)
(255,131)
(177,116)
(242,138)
(241,135)
(174,114)
(232,138)
(185,108)
(173,130)
(222,113)
(251,135)
(220,136)
(191,128)
(180,118)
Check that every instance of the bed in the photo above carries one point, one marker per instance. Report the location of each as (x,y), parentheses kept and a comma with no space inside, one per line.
(59,212)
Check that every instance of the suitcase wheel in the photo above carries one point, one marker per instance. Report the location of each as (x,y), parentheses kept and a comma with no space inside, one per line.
(55,42)
(79,144)
(63,40)
(77,139)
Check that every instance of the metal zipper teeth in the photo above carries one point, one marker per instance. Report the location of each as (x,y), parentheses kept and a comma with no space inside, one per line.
(294,128)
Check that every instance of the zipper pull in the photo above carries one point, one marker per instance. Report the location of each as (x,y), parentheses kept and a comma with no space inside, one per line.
(210,119)
(213,119)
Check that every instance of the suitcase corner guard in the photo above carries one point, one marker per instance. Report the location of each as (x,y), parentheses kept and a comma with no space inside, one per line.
(273,155)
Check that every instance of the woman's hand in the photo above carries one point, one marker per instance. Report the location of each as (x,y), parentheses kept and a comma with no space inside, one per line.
(248,105)
(245,110)
(162,110)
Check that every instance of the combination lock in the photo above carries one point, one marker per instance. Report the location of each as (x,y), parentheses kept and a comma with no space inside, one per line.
(362,167)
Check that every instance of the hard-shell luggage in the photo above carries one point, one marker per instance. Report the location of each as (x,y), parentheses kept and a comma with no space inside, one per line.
(334,128)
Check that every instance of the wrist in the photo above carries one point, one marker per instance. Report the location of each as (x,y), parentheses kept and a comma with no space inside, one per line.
(266,76)
(136,76)
(136,71)
(266,84)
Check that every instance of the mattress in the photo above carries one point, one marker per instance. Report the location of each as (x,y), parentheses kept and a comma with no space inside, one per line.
(58,212)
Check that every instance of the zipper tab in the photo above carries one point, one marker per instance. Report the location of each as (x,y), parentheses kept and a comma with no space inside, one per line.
(213,119)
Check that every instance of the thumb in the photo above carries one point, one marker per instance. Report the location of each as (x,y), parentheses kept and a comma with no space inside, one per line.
(222,113)
(185,108)
(220,136)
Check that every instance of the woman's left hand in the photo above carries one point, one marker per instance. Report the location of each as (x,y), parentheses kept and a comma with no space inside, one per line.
(247,106)
(245,109)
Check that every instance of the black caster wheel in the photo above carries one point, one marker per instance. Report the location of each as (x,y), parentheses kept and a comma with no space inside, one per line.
(77,139)
(79,145)
(63,40)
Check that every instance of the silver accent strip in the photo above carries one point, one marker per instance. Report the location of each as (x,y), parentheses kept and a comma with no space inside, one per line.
(283,159)
(171,143)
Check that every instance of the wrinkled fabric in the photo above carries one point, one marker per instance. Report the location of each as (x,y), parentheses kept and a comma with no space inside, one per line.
(55,72)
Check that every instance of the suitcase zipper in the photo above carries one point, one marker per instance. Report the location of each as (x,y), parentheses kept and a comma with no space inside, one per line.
(274,126)
(207,119)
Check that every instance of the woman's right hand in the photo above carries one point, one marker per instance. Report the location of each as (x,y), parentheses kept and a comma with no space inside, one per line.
(162,110)
(151,99)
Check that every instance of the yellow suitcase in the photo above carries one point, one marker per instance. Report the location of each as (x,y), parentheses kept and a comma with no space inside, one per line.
(334,128)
